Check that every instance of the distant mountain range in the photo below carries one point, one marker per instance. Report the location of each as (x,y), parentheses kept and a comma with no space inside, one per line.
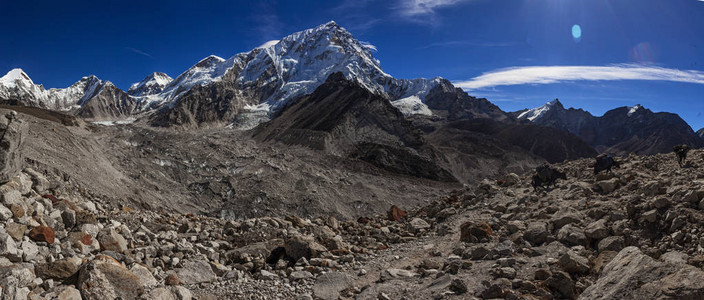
(323,89)
(619,131)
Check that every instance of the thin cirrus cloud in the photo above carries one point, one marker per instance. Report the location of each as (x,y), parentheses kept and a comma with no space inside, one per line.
(140,52)
(557,74)
(414,8)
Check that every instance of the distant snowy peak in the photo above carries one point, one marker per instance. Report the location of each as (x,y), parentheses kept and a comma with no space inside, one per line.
(537,113)
(14,76)
(18,86)
(150,85)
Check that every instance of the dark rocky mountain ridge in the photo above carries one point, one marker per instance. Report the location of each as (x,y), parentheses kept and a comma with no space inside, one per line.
(619,131)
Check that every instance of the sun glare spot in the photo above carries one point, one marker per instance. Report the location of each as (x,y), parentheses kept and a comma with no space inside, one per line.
(576,33)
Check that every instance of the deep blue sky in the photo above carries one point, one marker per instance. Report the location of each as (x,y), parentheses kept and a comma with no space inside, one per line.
(57,43)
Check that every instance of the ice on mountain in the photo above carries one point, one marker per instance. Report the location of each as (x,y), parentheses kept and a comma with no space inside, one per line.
(412,106)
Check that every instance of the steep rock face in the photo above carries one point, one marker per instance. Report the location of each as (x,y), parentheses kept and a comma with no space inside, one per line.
(109,102)
(345,119)
(700,133)
(618,131)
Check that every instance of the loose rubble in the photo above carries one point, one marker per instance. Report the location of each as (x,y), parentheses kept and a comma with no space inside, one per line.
(638,237)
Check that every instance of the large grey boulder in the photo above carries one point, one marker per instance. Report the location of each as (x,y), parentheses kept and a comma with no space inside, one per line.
(329,285)
(196,272)
(12,133)
(634,275)
(106,278)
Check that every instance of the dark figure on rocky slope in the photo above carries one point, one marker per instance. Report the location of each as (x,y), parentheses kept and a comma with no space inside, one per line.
(681,151)
(545,176)
(604,162)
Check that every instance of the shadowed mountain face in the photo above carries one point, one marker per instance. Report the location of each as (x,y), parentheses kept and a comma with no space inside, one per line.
(619,131)
(342,118)
(455,104)
(700,133)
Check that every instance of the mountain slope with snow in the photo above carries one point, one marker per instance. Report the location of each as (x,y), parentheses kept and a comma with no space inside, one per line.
(150,85)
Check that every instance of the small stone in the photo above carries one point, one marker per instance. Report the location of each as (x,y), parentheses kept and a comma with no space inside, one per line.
(42,234)
(573,263)
(172,279)
(475,231)
(612,243)
(395,213)
(17,210)
(16,230)
(110,240)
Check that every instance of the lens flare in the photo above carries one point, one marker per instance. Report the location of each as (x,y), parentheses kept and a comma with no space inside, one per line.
(643,53)
(576,32)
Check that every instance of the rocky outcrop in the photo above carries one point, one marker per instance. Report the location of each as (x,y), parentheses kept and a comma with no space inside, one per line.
(632,274)
(13,131)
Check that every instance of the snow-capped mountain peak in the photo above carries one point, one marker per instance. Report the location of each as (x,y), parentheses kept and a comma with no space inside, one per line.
(150,85)
(15,75)
(536,113)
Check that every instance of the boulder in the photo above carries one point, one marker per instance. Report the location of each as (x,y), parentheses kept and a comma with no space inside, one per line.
(572,236)
(475,231)
(329,285)
(145,277)
(42,234)
(59,270)
(110,240)
(196,272)
(573,263)
(612,243)
(566,216)
(303,246)
(606,186)
(597,230)
(561,283)
(536,233)
(5,213)
(634,275)
(417,224)
(16,230)
(106,278)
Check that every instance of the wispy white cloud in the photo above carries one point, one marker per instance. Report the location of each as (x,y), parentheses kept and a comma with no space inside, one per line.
(556,74)
(140,52)
(413,8)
